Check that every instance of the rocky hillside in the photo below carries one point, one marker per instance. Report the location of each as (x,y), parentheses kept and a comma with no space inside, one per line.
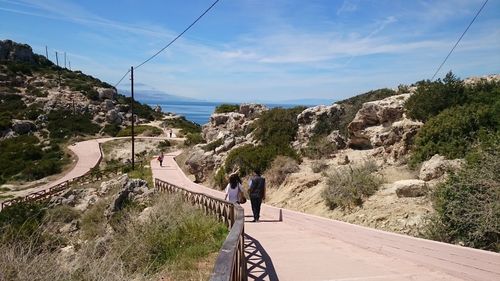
(43,105)
(378,159)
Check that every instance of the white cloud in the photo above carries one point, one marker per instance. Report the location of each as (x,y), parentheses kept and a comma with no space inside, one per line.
(348,6)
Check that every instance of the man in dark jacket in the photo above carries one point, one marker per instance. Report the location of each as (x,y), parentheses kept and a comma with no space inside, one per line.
(257,193)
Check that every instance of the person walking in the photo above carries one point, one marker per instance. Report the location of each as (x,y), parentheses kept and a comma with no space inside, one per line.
(257,193)
(160,159)
(234,189)
(170,133)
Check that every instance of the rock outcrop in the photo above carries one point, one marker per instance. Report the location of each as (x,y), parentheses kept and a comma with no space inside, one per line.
(200,163)
(437,166)
(411,188)
(106,93)
(12,51)
(22,127)
(312,118)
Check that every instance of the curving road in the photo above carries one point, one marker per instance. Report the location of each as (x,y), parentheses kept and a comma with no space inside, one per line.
(307,247)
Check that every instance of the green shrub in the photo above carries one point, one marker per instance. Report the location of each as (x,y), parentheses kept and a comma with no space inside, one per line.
(453,132)
(220,178)
(349,188)
(433,97)
(249,157)
(164,144)
(20,222)
(140,129)
(277,126)
(111,129)
(225,108)
(319,147)
(184,125)
(63,124)
(467,204)
(22,157)
(213,145)
(193,138)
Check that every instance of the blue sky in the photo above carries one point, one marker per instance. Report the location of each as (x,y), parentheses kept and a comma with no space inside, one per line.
(262,50)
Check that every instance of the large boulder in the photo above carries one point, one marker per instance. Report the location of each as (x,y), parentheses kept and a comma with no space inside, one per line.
(134,189)
(157,108)
(106,93)
(437,166)
(411,188)
(224,125)
(12,51)
(23,126)
(312,118)
(114,117)
(252,110)
(199,163)
(382,113)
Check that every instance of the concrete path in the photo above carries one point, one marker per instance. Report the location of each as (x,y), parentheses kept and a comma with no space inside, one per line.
(88,155)
(307,247)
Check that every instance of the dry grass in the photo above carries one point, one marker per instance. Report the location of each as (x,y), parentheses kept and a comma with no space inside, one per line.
(281,167)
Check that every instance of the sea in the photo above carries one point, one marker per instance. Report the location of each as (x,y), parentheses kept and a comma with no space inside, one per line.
(199,112)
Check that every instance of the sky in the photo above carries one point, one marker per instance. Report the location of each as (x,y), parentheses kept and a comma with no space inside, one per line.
(261,50)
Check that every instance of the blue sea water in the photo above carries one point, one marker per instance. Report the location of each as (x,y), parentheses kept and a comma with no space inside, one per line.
(199,112)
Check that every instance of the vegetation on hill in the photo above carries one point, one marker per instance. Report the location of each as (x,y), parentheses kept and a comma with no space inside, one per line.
(173,243)
(147,130)
(275,129)
(466,204)
(225,108)
(456,116)
(189,129)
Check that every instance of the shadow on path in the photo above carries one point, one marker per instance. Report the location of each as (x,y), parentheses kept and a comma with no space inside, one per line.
(259,264)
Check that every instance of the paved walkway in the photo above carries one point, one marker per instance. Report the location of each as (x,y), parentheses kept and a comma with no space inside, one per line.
(307,247)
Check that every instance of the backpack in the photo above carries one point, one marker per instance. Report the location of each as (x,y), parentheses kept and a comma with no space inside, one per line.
(257,187)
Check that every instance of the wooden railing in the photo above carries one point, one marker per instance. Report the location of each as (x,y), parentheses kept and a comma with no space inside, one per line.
(231,263)
(93,175)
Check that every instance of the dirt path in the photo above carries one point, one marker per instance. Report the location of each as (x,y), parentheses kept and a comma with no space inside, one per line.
(307,247)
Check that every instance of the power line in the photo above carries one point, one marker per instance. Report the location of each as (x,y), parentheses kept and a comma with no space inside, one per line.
(458,41)
(121,79)
(171,42)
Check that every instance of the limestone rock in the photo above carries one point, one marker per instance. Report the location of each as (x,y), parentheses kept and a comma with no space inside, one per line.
(106,186)
(131,190)
(252,110)
(106,93)
(337,138)
(23,126)
(410,188)
(437,166)
(12,51)
(309,119)
(157,108)
(113,117)
(199,163)
(375,113)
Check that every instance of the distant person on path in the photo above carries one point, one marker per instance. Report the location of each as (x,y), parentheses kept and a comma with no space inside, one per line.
(234,189)
(257,193)
(170,133)
(160,159)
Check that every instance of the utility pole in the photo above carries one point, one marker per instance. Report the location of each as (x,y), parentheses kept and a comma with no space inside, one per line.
(69,64)
(57,59)
(58,70)
(46,52)
(64,59)
(132,110)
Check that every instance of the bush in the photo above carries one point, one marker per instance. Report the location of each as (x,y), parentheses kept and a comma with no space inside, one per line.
(184,125)
(281,167)
(225,108)
(193,138)
(453,132)
(467,210)
(249,157)
(21,157)
(20,222)
(433,97)
(213,145)
(63,124)
(164,144)
(277,126)
(319,147)
(112,129)
(346,189)
(220,178)
(140,129)
(319,166)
